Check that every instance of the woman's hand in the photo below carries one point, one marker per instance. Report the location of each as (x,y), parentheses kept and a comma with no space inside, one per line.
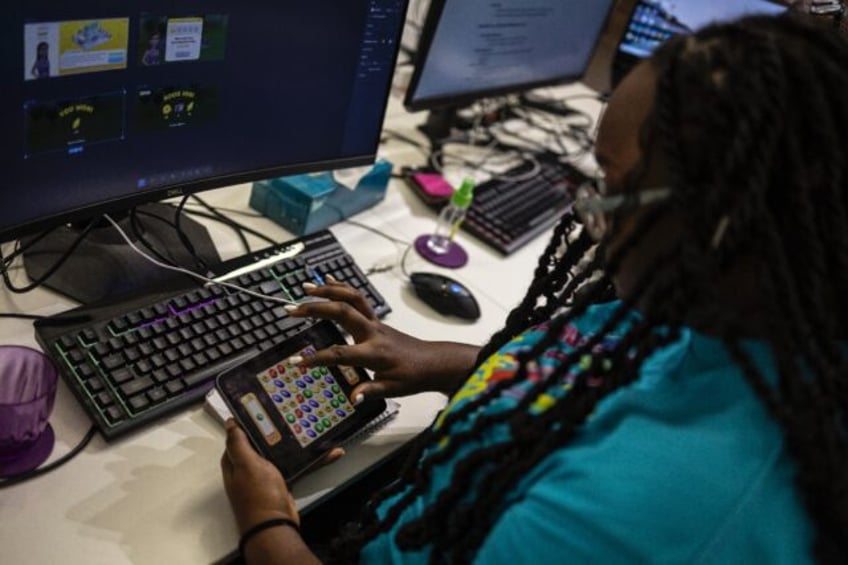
(256,489)
(402,364)
(258,492)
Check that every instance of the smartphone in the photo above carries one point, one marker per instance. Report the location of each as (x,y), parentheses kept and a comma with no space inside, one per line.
(294,414)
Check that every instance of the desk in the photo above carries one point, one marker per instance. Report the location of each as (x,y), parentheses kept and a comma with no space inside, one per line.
(157,496)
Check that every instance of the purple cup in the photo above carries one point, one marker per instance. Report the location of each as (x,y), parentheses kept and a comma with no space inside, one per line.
(28,381)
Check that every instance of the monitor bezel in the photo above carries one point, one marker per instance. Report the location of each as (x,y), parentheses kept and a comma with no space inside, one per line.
(621,61)
(130,201)
(428,32)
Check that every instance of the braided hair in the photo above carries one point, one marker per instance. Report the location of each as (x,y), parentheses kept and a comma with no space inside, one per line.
(751,121)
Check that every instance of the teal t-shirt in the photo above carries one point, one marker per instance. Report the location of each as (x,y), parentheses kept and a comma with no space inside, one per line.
(683,466)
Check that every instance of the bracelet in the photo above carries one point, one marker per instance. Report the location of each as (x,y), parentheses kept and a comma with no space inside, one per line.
(262,526)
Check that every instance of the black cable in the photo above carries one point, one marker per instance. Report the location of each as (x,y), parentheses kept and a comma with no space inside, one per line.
(20,250)
(238,231)
(230,210)
(391,134)
(233,223)
(198,260)
(238,228)
(17,479)
(49,273)
(410,56)
(21,316)
(137,229)
(150,246)
(165,221)
(152,216)
(7,262)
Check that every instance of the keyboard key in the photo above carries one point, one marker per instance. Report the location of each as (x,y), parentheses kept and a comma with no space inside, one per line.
(174,387)
(138,403)
(112,361)
(104,399)
(157,395)
(136,386)
(122,375)
(114,414)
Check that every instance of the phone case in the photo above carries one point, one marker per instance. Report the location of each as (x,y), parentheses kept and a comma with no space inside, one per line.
(292,413)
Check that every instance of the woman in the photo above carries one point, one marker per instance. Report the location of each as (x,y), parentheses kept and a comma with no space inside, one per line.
(41,66)
(153,55)
(698,417)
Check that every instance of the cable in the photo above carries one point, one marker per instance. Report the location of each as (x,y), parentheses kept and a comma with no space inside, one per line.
(401,137)
(216,211)
(234,224)
(173,224)
(377,232)
(8,261)
(438,163)
(49,273)
(21,316)
(238,231)
(192,274)
(218,216)
(225,209)
(137,229)
(403,262)
(406,244)
(178,215)
(21,250)
(17,479)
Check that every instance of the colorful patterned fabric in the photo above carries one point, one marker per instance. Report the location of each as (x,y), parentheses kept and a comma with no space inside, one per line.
(683,466)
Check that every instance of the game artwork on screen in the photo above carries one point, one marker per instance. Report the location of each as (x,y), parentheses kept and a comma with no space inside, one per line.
(53,49)
(309,400)
(171,107)
(166,39)
(70,125)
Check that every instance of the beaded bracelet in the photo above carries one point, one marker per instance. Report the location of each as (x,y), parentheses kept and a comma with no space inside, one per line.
(262,526)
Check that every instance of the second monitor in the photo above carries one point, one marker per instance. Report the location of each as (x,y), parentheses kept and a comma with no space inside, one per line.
(654,21)
(474,49)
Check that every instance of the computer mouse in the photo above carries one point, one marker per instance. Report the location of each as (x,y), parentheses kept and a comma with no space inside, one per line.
(445,295)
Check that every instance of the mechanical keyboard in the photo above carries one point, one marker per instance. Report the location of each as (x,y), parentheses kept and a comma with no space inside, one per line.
(506,214)
(134,361)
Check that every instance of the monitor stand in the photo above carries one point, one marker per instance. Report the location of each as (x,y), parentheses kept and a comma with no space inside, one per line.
(104,266)
(440,124)
(551,106)
(443,122)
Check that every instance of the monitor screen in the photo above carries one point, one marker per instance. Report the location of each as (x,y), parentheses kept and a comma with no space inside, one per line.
(473,49)
(108,105)
(654,21)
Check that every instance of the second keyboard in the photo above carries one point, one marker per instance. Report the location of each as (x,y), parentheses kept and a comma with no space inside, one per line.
(507,214)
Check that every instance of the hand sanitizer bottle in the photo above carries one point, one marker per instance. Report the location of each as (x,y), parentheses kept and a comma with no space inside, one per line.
(450,218)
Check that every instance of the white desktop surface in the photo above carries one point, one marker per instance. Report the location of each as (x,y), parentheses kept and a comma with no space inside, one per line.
(156,496)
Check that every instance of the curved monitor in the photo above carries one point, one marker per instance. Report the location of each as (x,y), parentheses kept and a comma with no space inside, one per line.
(472,49)
(108,105)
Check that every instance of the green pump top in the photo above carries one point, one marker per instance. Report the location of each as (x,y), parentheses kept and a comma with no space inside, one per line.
(464,194)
